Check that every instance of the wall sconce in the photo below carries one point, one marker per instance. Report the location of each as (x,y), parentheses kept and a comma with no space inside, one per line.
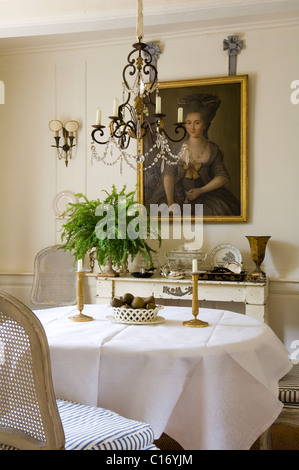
(64,151)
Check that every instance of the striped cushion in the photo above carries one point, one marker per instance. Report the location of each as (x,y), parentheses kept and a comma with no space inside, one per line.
(91,428)
(7,447)
(289,387)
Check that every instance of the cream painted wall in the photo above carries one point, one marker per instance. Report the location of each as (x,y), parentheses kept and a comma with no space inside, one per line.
(69,81)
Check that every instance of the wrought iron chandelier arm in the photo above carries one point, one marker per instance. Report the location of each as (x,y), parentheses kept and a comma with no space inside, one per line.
(145,64)
(123,132)
(147,126)
(98,129)
(123,128)
(132,61)
(177,130)
(132,72)
(148,68)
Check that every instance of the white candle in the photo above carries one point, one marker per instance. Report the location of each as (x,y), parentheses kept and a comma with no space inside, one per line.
(139,28)
(180,114)
(80,265)
(158,105)
(99,117)
(115,107)
(194,265)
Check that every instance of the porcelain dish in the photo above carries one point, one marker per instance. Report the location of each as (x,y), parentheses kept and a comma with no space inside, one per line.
(223,254)
(62,200)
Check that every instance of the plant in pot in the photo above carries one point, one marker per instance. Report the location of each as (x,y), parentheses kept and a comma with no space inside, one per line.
(110,227)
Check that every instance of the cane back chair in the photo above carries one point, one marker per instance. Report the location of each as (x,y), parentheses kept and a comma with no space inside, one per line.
(54,281)
(30,416)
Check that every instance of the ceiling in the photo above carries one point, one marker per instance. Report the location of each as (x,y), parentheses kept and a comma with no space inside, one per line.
(32,18)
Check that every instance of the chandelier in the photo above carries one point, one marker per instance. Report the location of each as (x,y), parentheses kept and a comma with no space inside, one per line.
(133,118)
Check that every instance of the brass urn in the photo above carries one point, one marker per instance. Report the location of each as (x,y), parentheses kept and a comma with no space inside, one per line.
(258,250)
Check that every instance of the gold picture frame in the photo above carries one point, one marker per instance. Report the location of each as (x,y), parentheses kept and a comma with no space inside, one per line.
(228,129)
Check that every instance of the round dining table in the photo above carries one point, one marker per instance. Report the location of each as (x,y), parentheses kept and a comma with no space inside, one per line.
(208,388)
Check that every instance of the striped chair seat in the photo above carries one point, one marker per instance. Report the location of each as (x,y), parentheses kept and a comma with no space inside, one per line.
(289,388)
(289,396)
(91,428)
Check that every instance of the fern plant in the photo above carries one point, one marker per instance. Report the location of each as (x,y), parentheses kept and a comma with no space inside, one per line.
(90,219)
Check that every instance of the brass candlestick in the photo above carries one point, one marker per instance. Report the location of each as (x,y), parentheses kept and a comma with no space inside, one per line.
(80,300)
(195,322)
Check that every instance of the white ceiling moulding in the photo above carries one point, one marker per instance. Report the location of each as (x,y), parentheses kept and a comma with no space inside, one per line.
(93,39)
(33,17)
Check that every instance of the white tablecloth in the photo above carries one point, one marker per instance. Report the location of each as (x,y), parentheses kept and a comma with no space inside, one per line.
(208,388)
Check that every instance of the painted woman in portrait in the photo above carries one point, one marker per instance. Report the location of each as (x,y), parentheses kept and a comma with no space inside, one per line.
(200,175)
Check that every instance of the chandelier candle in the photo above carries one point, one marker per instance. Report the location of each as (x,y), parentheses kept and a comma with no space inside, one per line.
(99,117)
(180,115)
(115,107)
(158,105)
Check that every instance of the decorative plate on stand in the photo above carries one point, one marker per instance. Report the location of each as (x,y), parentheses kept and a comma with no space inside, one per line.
(62,200)
(223,254)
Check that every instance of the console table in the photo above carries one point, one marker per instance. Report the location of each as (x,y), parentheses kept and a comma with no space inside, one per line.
(253,295)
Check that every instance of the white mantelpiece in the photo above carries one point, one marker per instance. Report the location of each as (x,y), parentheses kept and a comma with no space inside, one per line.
(253,295)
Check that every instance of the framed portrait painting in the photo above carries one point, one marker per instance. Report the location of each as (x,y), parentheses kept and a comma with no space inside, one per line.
(210,164)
